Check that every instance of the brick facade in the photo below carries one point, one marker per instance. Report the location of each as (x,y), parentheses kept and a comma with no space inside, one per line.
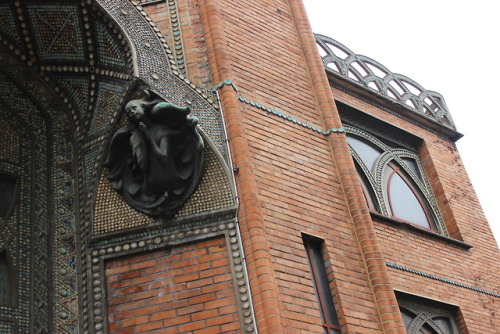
(184,289)
(233,259)
(293,180)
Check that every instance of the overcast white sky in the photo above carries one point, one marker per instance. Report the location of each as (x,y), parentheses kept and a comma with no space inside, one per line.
(451,47)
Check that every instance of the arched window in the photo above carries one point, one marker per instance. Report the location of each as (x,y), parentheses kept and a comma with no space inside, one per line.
(329,317)
(393,181)
(422,322)
(405,200)
(370,197)
(425,316)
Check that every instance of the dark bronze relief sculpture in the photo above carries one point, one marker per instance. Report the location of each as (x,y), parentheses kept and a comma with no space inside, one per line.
(156,162)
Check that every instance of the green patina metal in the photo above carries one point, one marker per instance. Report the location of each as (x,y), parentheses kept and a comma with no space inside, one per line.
(275,112)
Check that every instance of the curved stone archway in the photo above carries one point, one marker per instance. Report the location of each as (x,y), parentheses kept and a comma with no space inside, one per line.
(40,234)
(65,69)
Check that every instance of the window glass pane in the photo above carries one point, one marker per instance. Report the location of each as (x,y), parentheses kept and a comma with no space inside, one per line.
(367,152)
(323,286)
(404,203)
(413,166)
(411,198)
(426,329)
(320,281)
(407,317)
(367,191)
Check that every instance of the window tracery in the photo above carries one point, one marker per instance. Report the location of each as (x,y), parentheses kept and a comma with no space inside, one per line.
(426,318)
(393,180)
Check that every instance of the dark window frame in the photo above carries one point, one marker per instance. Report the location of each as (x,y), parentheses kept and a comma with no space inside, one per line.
(393,156)
(314,249)
(425,312)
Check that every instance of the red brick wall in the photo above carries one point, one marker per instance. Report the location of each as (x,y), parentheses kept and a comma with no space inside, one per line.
(159,14)
(191,44)
(183,289)
(300,193)
(477,267)
(195,50)
(289,183)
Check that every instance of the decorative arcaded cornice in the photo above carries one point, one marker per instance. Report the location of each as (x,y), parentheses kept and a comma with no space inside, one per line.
(370,74)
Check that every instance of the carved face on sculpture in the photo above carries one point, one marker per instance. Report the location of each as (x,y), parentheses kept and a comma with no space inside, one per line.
(135,110)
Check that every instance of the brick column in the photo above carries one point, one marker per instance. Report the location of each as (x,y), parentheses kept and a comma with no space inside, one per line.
(385,299)
(260,267)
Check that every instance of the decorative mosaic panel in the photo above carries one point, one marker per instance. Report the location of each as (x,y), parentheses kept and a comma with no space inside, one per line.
(7,326)
(78,91)
(57,32)
(16,234)
(9,26)
(108,98)
(33,232)
(23,221)
(110,46)
(213,193)
(9,142)
(85,64)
